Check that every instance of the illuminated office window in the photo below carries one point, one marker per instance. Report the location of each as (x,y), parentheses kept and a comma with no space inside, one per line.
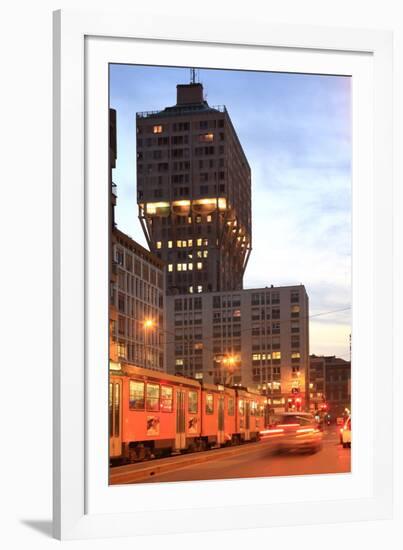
(157,129)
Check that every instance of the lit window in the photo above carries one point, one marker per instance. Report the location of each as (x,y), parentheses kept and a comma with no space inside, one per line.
(179,267)
(295,309)
(166,398)
(295,355)
(179,244)
(199,376)
(169,244)
(209,218)
(179,362)
(276,354)
(170,267)
(209,403)
(198,219)
(199,288)
(191,289)
(199,254)
(136,395)
(190,267)
(241,407)
(152,397)
(205,242)
(192,402)
(190,242)
(189,219)
(199,265)
(159,244)
(122,351)
(199,242)
(256,357)
(206,138)
(205,253)
(198,345)
(183,244)
(157,129)
(184,267)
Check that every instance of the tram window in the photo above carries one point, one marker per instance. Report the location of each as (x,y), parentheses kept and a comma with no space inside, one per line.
(241,407)
(153,397)
(166,398)
(253,408)
(136,395)
(110,411)
(117,409)
(231,406)
(192,402)
(209,403)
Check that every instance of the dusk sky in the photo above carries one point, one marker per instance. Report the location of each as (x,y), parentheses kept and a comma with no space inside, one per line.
(296,133)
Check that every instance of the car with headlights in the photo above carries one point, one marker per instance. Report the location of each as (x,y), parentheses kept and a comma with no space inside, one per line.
(345,433)
(297,432)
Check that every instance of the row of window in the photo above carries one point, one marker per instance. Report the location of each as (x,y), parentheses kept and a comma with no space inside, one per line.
(133,265)
(155,397)
(177,140)
(182,126)
(273,298)
(188,243)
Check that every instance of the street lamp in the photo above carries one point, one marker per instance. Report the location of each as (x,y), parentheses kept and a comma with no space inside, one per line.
(229,362)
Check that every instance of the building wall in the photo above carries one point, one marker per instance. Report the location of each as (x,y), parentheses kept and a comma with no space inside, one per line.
(137,295)
(330,384)
(256,338)
(194,193)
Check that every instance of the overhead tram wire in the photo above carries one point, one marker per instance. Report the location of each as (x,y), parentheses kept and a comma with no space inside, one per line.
(288,321)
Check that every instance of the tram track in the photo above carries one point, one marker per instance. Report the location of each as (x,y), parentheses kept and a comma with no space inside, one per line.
(133,473)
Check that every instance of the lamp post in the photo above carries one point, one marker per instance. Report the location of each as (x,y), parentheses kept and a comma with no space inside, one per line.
(229,362)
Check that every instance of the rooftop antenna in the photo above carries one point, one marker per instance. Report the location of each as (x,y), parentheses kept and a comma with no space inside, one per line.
(193,75)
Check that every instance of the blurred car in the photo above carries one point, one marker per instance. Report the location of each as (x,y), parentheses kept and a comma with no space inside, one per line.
(297,432)
(345,433)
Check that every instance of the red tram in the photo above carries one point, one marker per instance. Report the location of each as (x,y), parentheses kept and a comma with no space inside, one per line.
(152,414)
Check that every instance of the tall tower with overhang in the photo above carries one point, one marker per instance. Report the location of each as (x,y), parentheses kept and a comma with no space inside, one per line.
(194,193)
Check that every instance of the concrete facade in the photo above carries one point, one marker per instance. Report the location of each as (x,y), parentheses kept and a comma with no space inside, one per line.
(257,338)
(194,193)
(136,297)
(329,384)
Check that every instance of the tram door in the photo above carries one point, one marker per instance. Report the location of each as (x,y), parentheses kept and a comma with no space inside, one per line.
(221,427)
(180,437)
(247,420)
(115,433)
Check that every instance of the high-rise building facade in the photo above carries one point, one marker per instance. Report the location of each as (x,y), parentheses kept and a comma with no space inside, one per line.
(257,338)
(194,193)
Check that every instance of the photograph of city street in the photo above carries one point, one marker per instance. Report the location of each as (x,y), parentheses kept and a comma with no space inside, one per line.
(230,274)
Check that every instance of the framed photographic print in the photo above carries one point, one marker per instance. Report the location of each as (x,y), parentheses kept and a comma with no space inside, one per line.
(223,230)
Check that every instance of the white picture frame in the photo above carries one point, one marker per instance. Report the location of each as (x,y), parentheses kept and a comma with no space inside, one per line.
(84,43)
